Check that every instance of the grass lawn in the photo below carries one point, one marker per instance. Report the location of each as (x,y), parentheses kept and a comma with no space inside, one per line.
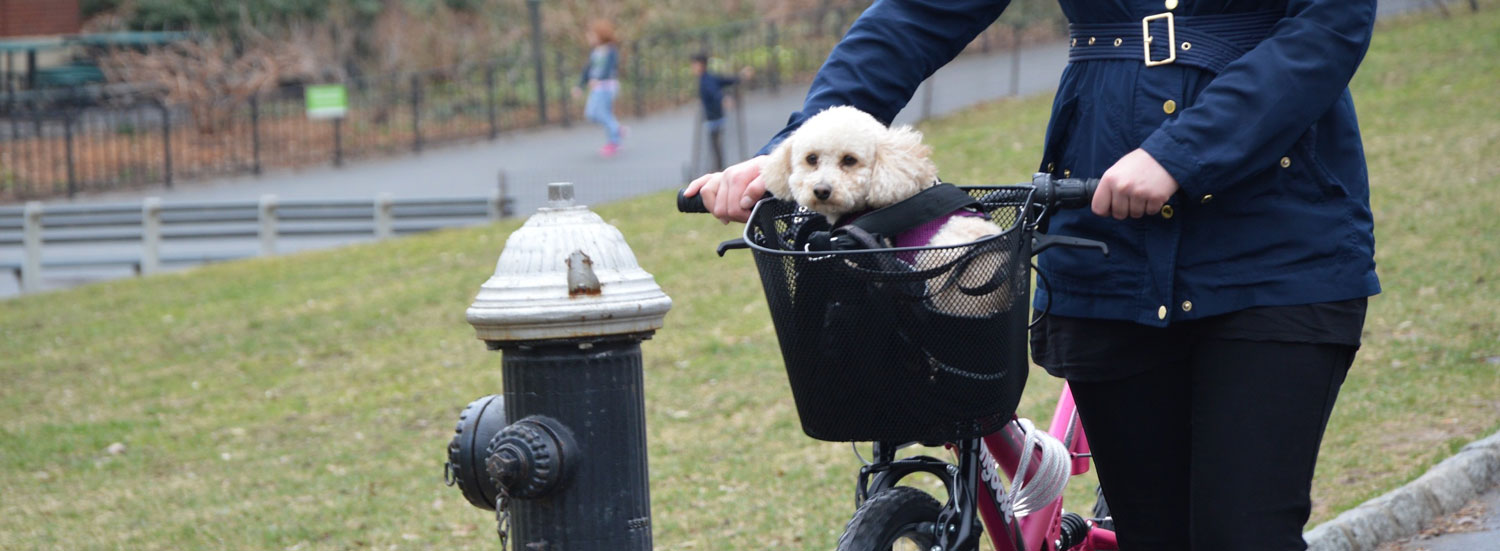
(303,402)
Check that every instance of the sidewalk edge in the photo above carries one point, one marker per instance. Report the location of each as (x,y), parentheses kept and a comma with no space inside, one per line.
(1403,512)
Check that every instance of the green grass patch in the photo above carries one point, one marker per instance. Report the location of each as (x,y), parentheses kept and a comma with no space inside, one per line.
(303,402)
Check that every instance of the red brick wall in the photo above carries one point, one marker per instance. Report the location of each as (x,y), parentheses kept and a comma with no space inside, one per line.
(38,17)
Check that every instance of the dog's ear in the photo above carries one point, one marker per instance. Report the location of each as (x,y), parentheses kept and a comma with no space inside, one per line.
(776,169)
(902,166)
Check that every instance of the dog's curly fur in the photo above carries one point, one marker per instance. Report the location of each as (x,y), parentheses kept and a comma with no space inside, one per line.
(843,161)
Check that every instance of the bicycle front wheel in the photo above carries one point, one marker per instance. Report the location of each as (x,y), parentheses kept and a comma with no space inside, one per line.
(898,519)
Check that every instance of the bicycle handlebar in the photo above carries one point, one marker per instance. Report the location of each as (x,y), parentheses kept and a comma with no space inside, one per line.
(1063,193)
(690,205)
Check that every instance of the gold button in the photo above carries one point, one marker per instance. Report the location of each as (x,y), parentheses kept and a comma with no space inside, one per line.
(1075,42)
(1286,162)
(1118,41)
(1051,167)
(1169,107)
(1161,313)
(1166,211)
(1067,173)
(1207,198)
(1091,41)
(1187,46)
(1187,306)
(1171,4)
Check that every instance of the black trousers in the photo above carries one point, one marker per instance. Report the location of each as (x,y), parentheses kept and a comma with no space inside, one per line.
(1215,451)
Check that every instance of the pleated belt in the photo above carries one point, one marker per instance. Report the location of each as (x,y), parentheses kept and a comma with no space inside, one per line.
(1208,42)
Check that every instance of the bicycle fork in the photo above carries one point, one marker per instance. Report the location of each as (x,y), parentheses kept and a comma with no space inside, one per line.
(956,526)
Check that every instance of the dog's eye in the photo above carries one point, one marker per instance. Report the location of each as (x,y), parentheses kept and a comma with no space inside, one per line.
(812,159)
(848,160)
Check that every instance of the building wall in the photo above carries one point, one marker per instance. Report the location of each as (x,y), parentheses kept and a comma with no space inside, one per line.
(38,17)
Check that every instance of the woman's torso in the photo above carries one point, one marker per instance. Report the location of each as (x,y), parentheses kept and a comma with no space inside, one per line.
(1293,229)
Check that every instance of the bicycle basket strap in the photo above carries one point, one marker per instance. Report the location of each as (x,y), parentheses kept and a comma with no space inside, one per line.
(928,205)
(888,222)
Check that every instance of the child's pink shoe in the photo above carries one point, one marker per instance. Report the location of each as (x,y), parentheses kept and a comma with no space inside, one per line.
(609,150)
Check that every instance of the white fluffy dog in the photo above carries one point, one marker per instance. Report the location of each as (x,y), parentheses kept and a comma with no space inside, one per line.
(842,161)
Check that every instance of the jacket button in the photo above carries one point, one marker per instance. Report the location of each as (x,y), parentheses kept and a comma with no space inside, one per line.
(1161,313)
(1051,167)
(1286,162)
(1187,306)
(1091,41)
(1167,212)
(1169,107)
(1207,198)
(1067,173)
(1171,4)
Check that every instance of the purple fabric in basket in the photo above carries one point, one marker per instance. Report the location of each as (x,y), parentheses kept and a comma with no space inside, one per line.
(923,234)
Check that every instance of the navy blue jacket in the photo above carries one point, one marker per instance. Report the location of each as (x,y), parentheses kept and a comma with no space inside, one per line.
(1273,208)
(711,93)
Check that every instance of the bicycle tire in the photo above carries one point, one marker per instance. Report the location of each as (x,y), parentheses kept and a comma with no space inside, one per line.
(889,517)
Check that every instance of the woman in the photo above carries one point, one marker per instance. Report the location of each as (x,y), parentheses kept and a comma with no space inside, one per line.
(1206,352)
(601,76)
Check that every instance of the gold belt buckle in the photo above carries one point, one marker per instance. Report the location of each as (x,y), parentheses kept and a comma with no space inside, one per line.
(1171,38)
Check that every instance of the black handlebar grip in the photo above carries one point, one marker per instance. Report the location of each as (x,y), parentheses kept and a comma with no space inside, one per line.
(692,204)
(1074,193)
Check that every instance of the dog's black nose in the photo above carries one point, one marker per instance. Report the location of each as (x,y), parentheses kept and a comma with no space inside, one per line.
(822,191)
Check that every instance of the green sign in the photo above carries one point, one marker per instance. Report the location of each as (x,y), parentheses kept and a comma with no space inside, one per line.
(327,101)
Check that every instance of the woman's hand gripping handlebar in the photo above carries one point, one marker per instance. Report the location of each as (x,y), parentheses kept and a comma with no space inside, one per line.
(694,204)
(728,195)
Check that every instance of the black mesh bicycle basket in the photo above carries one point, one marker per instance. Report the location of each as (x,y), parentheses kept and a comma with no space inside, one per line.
(912,344)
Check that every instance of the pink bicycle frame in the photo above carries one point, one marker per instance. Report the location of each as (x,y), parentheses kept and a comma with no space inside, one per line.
(1042,525)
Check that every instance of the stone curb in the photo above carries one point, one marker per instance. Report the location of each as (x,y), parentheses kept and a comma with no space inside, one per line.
(1403,512)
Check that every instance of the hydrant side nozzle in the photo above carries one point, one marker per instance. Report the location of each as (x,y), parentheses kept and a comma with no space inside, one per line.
(477,425)
(531,458)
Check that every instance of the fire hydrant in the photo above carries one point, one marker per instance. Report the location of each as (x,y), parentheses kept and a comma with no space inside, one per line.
(561,456)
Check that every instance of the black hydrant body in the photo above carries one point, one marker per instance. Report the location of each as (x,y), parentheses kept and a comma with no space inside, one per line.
(595,393)
(565,465)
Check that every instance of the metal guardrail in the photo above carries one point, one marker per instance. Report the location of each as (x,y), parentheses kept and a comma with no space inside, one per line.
(152,222)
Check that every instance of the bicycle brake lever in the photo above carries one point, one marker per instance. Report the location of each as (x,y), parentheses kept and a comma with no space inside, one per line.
(1041,242)
(736,243)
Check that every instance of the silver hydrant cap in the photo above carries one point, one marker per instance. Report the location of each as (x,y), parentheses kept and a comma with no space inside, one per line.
(566,273)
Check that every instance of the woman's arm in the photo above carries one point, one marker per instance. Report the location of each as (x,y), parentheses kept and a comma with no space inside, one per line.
(1252,112)
(887,53)
(890,49)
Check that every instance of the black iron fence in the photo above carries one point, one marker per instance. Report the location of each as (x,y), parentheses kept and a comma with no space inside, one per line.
(62,145)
